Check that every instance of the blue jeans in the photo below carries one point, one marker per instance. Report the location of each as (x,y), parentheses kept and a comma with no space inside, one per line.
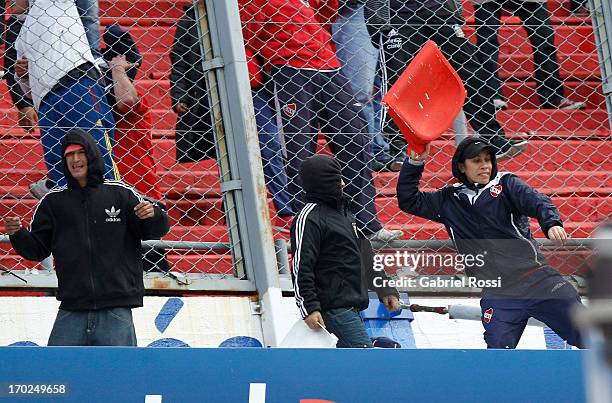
(104,327)
(348,327)
(83,105)
(89,13)
(271,152)
(359,58)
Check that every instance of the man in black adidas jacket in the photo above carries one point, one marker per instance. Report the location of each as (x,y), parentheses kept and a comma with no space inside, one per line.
(93,228)
(332,259)
(487,217)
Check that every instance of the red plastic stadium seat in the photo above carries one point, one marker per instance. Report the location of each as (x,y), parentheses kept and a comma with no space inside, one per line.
(426,99)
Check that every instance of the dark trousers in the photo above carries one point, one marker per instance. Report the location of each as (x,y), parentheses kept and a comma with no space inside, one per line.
(400,46)
(537,23)
(310,101)
(504,319)
(104,327)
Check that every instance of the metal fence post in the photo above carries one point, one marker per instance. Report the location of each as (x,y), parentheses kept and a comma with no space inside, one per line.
(243,159)
(601,14)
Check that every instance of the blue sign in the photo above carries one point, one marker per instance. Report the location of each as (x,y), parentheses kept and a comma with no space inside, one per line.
(258,375)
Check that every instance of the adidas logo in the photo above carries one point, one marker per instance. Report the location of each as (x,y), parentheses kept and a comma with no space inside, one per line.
(393,32)
(112,214)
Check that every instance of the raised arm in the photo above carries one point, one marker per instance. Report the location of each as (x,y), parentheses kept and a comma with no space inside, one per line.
(125,92)
(410,199)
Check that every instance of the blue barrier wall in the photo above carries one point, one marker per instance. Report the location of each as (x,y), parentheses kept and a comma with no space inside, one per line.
(343,376)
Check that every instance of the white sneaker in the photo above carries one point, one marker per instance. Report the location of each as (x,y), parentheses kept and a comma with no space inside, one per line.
(39,189)
(101,63)
(570,105)
(385,235)
(499,103)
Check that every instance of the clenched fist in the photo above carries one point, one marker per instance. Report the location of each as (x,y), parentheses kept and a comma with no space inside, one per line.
(144,210)
(12,224)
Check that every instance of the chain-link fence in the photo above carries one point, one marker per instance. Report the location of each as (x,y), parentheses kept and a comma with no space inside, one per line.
(145,86)
(532,77)
(318,71)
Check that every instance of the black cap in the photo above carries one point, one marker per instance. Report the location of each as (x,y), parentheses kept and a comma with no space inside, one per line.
(470,148)
(119,42)
(474,148)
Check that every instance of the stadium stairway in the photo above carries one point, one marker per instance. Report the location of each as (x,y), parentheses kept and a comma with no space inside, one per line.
(568,158)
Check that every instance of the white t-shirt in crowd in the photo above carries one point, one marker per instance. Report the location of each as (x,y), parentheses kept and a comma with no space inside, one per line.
(54,42)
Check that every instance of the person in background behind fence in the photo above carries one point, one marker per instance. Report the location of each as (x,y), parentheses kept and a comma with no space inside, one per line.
(189,95)
(27,116)
(93,229)
(133,149)
(56,68)
(194,134)
(332,266)
(400,28)
(359,60)
(536,21)
(270,145)
(487,217)
(312,95)
(89,11)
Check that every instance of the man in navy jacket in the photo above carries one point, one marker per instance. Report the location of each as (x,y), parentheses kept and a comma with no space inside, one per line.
(487,215)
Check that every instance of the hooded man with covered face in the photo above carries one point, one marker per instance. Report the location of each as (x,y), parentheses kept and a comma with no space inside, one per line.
(332,260)
(487,217)
(93,228)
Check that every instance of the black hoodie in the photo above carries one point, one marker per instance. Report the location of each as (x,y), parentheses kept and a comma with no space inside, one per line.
(332,263)
(93,234)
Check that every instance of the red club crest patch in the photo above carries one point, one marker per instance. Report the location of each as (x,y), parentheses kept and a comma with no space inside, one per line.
(496,190)
(290,109)
(488,315)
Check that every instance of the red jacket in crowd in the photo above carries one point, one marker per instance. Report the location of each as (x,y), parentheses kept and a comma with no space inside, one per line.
(133,150)
(291,32)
